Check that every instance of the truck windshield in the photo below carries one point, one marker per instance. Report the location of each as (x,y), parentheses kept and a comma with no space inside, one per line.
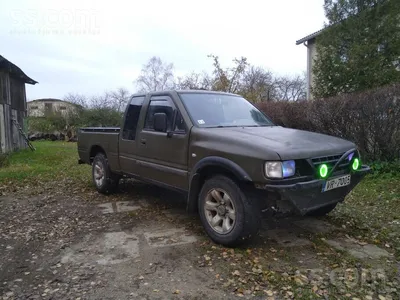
(220,110)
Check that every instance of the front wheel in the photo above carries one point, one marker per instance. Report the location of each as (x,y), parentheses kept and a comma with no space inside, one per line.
(227,213)
(104,179)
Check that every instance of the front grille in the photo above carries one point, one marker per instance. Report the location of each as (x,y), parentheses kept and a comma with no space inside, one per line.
(331,161)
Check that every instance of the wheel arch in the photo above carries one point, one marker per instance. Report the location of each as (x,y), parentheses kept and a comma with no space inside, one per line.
(94,150)
(208,167)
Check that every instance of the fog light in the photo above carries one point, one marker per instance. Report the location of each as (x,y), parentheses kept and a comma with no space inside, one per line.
(323,170)
(356,164)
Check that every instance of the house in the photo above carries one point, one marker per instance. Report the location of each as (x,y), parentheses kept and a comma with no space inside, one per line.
(49,106)
(12,105)
(310,42)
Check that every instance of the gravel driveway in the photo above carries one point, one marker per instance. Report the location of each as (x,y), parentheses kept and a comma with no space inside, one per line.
(141,244)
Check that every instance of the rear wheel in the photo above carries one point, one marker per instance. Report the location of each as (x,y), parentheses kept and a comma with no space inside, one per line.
(104,180)
(322,211)
(226,212)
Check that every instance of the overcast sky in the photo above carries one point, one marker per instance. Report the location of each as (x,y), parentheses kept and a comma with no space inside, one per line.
(92,46)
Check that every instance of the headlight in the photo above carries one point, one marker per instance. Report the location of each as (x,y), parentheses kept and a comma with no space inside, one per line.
(277,169)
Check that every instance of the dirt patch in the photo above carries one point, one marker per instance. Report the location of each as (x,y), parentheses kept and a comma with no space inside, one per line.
(141,244)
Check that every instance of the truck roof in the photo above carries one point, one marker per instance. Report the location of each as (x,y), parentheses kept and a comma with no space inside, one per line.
(183,91)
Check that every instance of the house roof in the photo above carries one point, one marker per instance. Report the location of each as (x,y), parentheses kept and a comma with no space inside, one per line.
(15,71)
(309,37)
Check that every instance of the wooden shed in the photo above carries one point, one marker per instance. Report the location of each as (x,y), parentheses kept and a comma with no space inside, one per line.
(12,105)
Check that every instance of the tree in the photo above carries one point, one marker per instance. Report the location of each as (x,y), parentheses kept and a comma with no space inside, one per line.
(291,88)
(77,99)
(359,48)
(119,98)
(195,81)
(229,79)
(339,10)
(155,76)
(258,85)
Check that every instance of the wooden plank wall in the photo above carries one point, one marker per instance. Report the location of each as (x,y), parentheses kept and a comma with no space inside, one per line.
(13,106)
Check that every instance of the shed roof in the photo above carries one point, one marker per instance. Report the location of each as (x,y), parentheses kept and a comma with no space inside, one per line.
(15,71)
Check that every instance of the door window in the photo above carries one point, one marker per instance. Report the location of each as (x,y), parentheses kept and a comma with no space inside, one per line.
(164,105)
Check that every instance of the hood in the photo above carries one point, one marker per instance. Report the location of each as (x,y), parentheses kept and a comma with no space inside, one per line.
(286,142)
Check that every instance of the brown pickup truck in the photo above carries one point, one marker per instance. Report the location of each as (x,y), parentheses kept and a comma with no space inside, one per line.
(230,161)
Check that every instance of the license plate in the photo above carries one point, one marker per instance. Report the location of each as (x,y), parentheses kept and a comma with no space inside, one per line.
(336,183)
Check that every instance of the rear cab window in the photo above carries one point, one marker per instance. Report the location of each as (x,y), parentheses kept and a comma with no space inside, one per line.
(132,118)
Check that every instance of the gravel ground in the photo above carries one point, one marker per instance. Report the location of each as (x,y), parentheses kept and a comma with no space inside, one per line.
(140,244)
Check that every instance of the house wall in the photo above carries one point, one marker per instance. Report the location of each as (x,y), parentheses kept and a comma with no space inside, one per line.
(12,106)
(311,56)
(38,108)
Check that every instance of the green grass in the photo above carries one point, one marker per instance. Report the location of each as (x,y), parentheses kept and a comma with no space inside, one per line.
(51,162)
(372,211)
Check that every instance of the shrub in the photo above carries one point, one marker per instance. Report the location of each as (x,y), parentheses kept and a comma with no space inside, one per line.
(371,119)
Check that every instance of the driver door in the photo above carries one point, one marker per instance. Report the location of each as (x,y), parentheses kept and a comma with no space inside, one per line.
(163,157)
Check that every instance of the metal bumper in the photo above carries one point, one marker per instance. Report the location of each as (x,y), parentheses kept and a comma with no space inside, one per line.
(308,196)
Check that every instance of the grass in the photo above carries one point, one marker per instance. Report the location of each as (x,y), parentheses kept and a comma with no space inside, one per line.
(372,211)
(51,162)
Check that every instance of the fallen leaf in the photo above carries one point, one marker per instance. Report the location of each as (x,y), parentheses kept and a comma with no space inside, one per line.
(314,288)
(236,273)
(176,292)
(269,293)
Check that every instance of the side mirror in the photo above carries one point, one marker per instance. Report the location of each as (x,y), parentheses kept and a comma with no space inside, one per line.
(160,122)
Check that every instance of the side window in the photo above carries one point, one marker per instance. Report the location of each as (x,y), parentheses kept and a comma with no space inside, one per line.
(132,118)
(158,105)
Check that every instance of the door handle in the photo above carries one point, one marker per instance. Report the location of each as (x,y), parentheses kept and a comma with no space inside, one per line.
(143,141)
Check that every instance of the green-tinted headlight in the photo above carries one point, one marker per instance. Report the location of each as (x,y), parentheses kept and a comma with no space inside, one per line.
(323,170)
(356,164)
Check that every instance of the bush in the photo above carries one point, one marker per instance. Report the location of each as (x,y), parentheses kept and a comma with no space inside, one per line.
(59,126)
(370,119)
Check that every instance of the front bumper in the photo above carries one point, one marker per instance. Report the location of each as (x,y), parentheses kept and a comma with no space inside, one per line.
(308,196)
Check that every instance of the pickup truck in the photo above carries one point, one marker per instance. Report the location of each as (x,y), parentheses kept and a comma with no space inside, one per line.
(227,157)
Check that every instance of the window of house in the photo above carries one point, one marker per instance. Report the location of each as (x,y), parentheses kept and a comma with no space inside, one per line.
(34,107)
(63,108)
(132,118)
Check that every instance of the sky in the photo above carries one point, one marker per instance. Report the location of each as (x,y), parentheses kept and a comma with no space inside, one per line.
(90,47)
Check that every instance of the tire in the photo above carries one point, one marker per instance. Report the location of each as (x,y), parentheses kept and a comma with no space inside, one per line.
(104,180)
(240,217)
(322,211)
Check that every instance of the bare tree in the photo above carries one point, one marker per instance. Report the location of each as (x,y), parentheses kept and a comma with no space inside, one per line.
(155,76)
(258,85)
(119,98)
(229,79)
(76,98)
(195,81)
(291,88)
(103,101)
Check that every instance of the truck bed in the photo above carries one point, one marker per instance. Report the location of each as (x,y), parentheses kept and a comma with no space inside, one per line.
(104,137)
